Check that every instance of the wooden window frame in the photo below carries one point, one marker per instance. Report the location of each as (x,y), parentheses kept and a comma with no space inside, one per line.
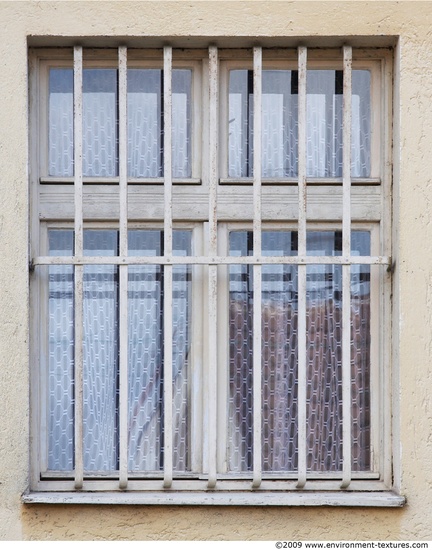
(210,209)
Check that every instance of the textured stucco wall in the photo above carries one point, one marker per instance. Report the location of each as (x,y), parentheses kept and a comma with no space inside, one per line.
(187,21)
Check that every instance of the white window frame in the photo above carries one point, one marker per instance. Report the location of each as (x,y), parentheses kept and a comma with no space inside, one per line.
(213,206)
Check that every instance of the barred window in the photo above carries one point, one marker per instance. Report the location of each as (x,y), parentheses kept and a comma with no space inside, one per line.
(211,283)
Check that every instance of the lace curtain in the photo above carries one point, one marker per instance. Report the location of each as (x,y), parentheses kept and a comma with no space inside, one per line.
(279,141)
(100,351)
(279,356)
(100,123)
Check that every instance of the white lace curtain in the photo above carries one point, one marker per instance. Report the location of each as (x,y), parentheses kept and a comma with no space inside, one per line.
(279,141)
(100,351)
(100,123)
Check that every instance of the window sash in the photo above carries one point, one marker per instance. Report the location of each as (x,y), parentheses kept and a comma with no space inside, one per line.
(315,175)
(222,339)
(183,174)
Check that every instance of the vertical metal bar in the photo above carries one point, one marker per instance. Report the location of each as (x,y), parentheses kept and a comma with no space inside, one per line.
(78,279)
(168,272)
(123,269)
(301,290)
(257,270)
(346,269)
(212,269)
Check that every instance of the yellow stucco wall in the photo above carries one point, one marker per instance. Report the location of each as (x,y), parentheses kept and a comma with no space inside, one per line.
(410,23)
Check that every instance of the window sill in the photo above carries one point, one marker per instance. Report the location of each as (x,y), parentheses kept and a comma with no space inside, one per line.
(368,499)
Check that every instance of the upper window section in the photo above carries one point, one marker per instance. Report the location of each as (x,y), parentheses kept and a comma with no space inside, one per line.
(145,123)
(279,136)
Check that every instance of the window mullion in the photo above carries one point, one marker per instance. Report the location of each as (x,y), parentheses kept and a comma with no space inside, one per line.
(257,270)
(168,272)
(302,269)
(79,269)
(346,269)
(123,270)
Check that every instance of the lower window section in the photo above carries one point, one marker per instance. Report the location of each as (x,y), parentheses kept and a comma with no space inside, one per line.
(279,356)
(101,355)
(279,376)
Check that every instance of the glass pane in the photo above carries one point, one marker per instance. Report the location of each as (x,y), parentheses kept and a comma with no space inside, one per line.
(181,123)
(145,306)
(100,351)
(361,125)
(145,123)
(101,354)
(324,123)
(145,158)
(324,352)
(279,363)
(60,123)
(361,354)
(240,400)
(60,355)
(279,355)
(100,128)
(100,123)
(240,120)
(279,123)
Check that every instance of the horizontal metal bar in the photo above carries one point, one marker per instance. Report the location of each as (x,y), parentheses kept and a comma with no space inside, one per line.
(54,180)
(212,260)
(294,181)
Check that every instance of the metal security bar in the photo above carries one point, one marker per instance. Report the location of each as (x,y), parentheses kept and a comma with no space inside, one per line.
(168,273)
(302,198)
(257,271)
(346,270)
(214,260)
(212,270)
(123,270)
(79,269)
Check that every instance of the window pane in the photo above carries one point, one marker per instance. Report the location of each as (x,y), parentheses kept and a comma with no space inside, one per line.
(61,355)
(145,123)
(100,352)
(279,142)
(181,123)
(60,123)
(361,125)
(361,354)
(279,355)
(240,119)
(279,363)
(100,128)
(145,306)
(279,124)
(324,123)
(100,125)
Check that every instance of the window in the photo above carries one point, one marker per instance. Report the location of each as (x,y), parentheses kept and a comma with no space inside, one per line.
(210,275)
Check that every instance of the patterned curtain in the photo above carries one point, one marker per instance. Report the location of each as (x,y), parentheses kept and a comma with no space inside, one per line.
(280,363)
